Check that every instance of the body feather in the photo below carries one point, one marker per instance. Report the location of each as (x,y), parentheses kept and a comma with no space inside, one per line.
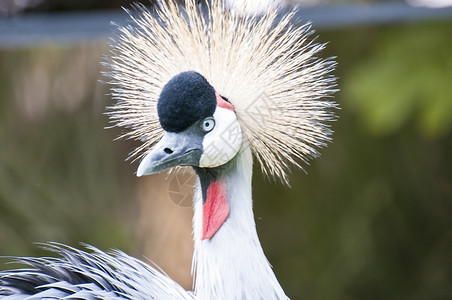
(78,274)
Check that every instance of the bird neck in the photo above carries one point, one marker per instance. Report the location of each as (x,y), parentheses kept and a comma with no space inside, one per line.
(231,263)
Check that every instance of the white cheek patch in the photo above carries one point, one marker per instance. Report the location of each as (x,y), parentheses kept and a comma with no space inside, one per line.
(223,142)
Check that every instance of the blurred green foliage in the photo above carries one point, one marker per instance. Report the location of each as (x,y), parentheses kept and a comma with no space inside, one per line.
(371,220)
(407,78)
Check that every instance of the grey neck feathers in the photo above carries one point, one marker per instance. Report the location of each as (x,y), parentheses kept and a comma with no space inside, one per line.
(232,265)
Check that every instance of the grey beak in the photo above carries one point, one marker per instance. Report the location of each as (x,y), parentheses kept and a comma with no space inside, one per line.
(174,149)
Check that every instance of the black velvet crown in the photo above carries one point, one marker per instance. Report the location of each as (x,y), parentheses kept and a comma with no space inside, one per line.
(185,99)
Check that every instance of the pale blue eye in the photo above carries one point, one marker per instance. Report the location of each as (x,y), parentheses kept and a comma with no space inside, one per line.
(208,124)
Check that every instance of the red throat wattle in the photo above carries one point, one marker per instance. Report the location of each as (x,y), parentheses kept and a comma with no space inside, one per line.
(215,210)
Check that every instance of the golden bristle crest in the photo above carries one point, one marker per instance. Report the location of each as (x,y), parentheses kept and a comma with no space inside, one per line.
(268,69)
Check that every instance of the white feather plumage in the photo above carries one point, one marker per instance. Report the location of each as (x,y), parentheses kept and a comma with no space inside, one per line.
(232,265)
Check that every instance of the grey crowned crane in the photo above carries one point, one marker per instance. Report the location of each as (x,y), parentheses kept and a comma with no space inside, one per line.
(206,90)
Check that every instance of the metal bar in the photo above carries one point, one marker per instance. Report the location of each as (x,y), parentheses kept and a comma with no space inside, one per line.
(69,28)
(74,28)
(342,16)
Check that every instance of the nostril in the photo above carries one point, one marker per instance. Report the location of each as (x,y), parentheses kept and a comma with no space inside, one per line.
(168,150)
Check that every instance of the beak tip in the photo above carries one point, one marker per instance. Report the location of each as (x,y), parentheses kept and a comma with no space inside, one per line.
(140,172)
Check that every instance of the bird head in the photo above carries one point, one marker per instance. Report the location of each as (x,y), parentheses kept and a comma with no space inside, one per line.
(201,127)
(278,89)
